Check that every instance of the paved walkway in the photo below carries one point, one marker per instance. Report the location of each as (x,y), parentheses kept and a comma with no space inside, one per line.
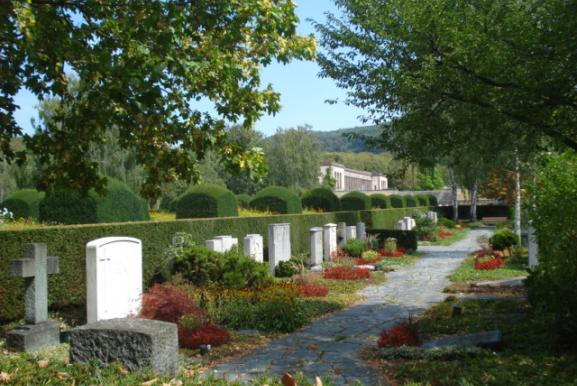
(330,346)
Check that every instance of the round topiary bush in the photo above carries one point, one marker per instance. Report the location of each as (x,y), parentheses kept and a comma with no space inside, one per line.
(422,200)
(397,201)
(277,199)
(380,201)
(433,200)
(355,201)
(411,201)
(206,200)
(24,203)
(243,200)
(321,199)
(118,204)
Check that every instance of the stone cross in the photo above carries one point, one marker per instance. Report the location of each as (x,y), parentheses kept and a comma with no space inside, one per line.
(329,240)
(35,267)
(316,239)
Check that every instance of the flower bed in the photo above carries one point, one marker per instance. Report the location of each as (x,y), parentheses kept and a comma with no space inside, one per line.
(313,290)
(361,261)
(397,253)
(347,273)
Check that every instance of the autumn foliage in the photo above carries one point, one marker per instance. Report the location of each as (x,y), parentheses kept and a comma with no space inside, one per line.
(401,335)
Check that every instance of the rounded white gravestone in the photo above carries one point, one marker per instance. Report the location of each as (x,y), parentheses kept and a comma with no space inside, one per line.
(113,278)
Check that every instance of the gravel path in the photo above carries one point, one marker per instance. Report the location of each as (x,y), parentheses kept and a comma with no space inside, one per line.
(330,346)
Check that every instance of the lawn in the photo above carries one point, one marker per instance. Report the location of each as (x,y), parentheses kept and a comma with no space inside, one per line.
(514,267)
(529,356)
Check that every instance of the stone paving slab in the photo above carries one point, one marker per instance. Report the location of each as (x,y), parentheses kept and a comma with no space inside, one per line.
(330,346)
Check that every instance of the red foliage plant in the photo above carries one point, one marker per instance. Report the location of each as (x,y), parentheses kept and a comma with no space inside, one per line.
(339,254)
(347,273)
(400,335)
(168,303)
(208,333)
(398,253)
(444,234)
(313,290)
(492,263)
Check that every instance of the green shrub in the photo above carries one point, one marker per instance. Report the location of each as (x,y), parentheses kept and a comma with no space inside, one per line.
(207,200)
(277,199)
(447,223)
(285,269)
(279,310)
(355,201)
(380,201)
(405,239)
(503,239)
(411,201)
(433,200)
(355,247)
(426,229)
(422,200)
(397,201)
(24,203)
(321,199)
(243,200)
(117,204)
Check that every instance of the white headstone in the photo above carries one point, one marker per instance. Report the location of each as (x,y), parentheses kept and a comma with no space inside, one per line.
(228,242)
(113,278)
(402,225)
(215,245)
(432,216)
(253,247)
(329,240)
(342,233)
(279,244)
(316,235)
(361,231)
(533,248)
(351,232)
(410,223)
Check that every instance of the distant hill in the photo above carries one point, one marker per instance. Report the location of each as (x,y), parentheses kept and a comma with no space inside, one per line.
(336,141)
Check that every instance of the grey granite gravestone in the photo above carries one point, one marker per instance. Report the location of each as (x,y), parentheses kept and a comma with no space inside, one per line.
(351,232)
(342,233)
(135,343)
(316,239)
(361,231)
(279,244)
(39,332)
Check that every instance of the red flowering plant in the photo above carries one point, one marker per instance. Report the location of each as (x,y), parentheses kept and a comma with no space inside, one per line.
(313,290)
(488,259)
(403,334)
(369,257)
(443,234)
(347,273)
(396,253)
(339,254)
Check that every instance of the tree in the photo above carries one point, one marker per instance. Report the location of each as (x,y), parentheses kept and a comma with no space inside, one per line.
(143,66)
(293,157)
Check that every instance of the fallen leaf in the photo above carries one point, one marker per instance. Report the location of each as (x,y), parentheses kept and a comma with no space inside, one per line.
(288,380)
(151,382)
(42,363)
(318,381)
(5,377)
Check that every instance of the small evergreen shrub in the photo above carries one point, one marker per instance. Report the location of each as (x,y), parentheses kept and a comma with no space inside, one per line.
(380,201)
(355,201)
(321,199)
(447,223)
(277,199)
(243,200)
(422,200)
(426,229)
(207,200)
(397,201)
(411,201)
(433,200)
(279,310)
(24,203)
(503,240)
(355,247)
(285,269)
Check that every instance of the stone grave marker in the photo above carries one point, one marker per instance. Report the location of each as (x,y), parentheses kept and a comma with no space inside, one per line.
(361,231)
(113,278)
(390,244)
(533,248)
(329,240)
(433,216)
(351,232)
(342,234)
(253,247)
(279,244)
(222,244)
(214,245)
(402,225)
(39,332)
(316,239)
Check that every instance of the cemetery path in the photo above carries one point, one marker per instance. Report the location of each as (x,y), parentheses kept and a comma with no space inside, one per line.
(330,347)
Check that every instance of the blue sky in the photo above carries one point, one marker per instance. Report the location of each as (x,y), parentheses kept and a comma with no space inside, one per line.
(302,91)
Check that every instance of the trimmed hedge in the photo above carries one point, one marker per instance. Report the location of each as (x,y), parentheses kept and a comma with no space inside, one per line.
(243,200)
(405,239)
(277,199)
(397,201)
(118,204)
(411,201)
(355,201)
(422,200)
(69,243)
(205,201)
(380,201)
(24,203)
(433,200)
(321,198)
(482,211)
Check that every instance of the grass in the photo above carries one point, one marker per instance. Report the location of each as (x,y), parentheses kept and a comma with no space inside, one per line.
(529,355)
(514,267)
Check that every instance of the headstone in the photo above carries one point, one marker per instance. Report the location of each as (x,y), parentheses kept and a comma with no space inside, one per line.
(39,332)
(113,278)
(134,343)
(361,231)
(228,243)
(351,232)
(409,224)
(390,244)
(486,339)
(533,248)
(279,244)
(215,245)
(316,239)
(432,215)
(253,247)
(342,234)
(329,240)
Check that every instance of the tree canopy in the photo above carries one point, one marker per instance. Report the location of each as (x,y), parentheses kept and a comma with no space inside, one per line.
(149,68)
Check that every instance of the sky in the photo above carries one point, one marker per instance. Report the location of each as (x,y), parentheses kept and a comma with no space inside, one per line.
(303,92)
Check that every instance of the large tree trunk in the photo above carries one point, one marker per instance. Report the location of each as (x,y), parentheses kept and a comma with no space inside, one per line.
(474,195)
(454,196)
(517,220)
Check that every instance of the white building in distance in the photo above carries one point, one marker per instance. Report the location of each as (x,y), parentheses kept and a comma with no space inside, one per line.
(348,180)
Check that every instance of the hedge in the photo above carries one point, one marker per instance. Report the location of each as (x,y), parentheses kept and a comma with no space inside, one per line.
(422,200)
(380,201)
(243,200)
(355,201)
(277,199)
(433,200)
(321,198)
(397,201)
(118,204)
(206,200)
(482,211)
(411,201)
(24,203)
(69,243)
(405,239)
